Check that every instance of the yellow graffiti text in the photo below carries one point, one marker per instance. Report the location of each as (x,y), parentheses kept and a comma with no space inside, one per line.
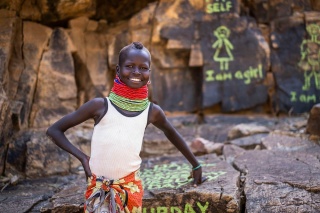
(173,175)
(246,76)
(310,57)
(188,208)
(251,73)
(302,98)
(211,76)
(218,7)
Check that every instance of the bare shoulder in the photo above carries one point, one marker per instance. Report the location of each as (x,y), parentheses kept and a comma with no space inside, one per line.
(96,106)
(97,102)
(89,110)
(157,114)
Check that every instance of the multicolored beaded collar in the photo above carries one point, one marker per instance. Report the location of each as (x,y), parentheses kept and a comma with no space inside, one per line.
(128,98)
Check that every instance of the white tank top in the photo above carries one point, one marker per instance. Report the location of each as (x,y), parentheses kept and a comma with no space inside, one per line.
(116,143)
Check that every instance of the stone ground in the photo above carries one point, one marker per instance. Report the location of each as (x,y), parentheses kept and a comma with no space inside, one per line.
(266,164)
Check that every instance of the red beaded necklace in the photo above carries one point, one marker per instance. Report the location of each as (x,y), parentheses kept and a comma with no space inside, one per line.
(119,88)
(128,98)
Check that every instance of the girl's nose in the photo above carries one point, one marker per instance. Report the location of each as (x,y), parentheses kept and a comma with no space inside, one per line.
(136,70)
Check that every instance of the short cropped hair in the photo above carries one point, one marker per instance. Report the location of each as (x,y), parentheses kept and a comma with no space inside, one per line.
(134,45)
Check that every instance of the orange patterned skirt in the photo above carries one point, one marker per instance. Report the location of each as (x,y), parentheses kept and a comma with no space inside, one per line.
(114,196)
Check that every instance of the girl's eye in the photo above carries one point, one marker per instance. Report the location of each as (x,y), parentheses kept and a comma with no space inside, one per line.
(129,66)
(144,68)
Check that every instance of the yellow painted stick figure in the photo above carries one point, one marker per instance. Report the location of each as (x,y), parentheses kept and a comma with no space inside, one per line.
(310,57)
(223,47)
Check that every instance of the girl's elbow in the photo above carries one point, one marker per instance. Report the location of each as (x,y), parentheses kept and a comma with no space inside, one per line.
(49,131)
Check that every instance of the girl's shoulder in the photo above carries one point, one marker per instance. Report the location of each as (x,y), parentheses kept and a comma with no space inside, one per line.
(96,103)
(156,113)
(97,107)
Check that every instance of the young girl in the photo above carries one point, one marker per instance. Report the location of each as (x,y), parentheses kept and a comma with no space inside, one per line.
(112,169)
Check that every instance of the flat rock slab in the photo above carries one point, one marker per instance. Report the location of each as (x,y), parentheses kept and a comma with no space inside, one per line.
(166,183)
(285,178)
(284,141)
(249,142)
(32,195)
(168,189)
(69,200)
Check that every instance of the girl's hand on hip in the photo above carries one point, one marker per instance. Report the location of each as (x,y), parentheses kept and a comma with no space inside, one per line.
(86,167)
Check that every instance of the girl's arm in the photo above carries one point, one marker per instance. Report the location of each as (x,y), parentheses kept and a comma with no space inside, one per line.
(92,109)
(159,119)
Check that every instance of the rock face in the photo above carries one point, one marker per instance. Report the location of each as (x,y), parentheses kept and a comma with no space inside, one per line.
(283,178)
(56,82)
(232,76)
(114,11)
(32,50)
(313,126)
(33,155)
(90,58)
(44,158)
(207,56)
(171,66)
(209,53)
(9,28)
(299,91)
(167,187)
(35,194)
(47,11)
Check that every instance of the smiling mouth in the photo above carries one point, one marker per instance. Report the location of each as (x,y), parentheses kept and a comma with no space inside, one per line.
(135,80)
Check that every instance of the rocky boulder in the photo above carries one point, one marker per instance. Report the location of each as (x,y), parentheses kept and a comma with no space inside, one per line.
(56,82)
(47,11)
(32,50)
(168,189)
(231,76)
(299,91)
(33,195)
(313,125)
(281,176)
(9,31)
(242,130)
(90,59)
(284,178)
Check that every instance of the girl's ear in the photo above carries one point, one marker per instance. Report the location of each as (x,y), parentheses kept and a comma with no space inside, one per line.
(118,69)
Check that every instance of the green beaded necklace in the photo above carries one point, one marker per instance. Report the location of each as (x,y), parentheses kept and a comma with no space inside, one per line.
(128,104)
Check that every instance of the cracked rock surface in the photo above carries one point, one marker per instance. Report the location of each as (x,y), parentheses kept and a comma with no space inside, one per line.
(276,171)
(283,178)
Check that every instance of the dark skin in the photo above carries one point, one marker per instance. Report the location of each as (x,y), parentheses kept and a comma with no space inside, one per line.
(134,71)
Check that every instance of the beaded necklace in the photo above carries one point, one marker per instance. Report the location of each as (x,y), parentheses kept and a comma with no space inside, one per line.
(128,98)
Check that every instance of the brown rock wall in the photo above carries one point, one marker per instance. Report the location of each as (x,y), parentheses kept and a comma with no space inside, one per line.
(33,47)
(295,63)
(53,11)
(44,158)
(9,31)
(56,82)
(283,178)
(313,126)
(183,39)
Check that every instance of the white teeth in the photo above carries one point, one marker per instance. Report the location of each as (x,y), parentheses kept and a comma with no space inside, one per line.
(135,79)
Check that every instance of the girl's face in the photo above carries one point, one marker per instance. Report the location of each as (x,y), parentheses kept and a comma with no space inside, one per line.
(135,69)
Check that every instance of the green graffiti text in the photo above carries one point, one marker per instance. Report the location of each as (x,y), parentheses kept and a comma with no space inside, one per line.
(173,175)
(303,98)
(310,57)
(188,208)
(218,6)
(246,76)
